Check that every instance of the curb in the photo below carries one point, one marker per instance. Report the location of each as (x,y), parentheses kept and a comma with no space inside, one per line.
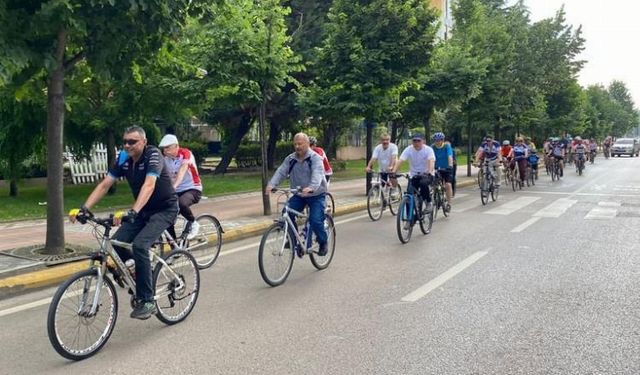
(13,285)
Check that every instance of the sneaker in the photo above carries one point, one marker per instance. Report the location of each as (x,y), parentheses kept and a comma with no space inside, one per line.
(144,310)
(322,251)
(195,229)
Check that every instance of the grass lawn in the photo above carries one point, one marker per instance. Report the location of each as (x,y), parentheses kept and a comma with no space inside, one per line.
(30,201)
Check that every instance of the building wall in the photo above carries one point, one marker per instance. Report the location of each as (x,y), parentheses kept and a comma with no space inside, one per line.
(446,19)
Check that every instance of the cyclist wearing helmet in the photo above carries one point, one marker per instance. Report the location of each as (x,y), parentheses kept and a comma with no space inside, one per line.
(505,150)
(580,150)
(519,155)
(558,150)
(313,142)
(490,151)
(444,163)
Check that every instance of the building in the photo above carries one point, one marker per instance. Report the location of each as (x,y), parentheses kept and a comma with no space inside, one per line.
(446,18)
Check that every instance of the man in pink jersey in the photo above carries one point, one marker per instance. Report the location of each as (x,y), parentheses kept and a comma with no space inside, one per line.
(183,171)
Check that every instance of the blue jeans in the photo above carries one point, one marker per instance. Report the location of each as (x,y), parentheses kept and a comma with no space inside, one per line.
(142,233)
(317,205)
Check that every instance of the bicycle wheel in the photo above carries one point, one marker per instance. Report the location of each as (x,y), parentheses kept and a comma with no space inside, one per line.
(427,221)
(480,177)
(444,204)
(484,192)
(73,331)
(495,191)
(514,179)
(322,262)
(375,205)
(404,220)
(394,198)
(436,199)
(330,208)
(177,286)
(205,247)
(274,259)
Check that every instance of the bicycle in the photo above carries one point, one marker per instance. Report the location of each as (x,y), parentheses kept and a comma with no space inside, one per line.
(205,246)
(86,304)
(555,169)
(277,246)
(330,205)
(606,151)
(579,165)
(382,194)
(488,185)
(592,156)
(411,212)
(532,175)
(516,179)
(439,196)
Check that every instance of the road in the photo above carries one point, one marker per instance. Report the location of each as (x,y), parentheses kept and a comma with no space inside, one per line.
(543,281)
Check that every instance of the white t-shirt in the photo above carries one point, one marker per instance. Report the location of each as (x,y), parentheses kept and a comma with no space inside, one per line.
(418,158)
(384,156)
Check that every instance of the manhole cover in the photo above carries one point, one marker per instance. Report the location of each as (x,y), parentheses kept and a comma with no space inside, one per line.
(37,253)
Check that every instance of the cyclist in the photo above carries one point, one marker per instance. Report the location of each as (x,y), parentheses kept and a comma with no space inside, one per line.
(505,150)
(154,210)
(533,160)
(305,170)
(182,168)
(558,152)
(444,163)
(328,171)
(386,153)
(593,150)
(606,145)
(580,150)
(490,150)
(529,143)
(421,167)
(519,154)
(454,171)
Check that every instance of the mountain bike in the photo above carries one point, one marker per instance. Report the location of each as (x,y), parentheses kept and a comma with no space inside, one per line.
(205,245)
(439,194)
(579,165)
(516,179)
(84,309)
(488,186)
(410,212)
(592,156)
(283,239)
(556,173)
(382,195)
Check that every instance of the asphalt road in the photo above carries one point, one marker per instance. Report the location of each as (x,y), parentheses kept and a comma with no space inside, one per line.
(543,281)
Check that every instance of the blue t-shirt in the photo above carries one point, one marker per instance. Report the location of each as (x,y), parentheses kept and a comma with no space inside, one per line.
(519,151)
(442,155)
(533,159)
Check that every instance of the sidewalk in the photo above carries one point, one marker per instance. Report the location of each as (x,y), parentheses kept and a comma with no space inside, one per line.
(240,215)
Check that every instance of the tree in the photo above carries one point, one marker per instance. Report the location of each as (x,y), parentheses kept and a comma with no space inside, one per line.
(370,48)
(54,35)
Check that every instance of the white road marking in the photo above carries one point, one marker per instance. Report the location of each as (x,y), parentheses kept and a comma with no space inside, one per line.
(599,213)
(525,225)
(556,209)
(461,195)
(443,278)
(584,194)
(465,206)
(512,206)
(238,249)
(609,204)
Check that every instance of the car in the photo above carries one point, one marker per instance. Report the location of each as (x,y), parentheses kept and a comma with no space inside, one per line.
(625,146)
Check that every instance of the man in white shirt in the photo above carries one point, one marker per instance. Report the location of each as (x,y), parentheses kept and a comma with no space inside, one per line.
(421,167)
(386,154)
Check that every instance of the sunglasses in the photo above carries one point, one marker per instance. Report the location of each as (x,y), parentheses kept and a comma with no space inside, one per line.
(130,142)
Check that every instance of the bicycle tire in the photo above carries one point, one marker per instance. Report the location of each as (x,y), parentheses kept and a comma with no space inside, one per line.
(272,246)
(184,264)
(484,192)
(375,203)
(426,222)
(330,206)
(322,262)
(480,177)
(445,203)
(57,339)
(436,200)
(495,192)
(395,197)
(404,220)
(205,247)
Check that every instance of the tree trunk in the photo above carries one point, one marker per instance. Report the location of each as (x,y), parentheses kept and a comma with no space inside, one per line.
(13,187)
(469,145)
(395,125)
(55,121)
(427,125)
(111,156)
(236,139)
(369,125)
(329,141)
(266,203)
(274,135)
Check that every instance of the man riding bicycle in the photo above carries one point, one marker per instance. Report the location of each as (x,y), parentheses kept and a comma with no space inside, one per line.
(181,165)
(490,152)
(444,163)
(421,167)
(579,150)
(386,153)
(154,210)
(558,152)
(305,169)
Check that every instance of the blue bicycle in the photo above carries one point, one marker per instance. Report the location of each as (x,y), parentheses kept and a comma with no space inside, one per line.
(410,212)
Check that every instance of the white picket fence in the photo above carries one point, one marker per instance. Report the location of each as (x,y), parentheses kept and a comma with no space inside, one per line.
(90,170)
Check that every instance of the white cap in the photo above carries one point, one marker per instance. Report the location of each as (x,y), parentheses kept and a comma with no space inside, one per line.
(168,140)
